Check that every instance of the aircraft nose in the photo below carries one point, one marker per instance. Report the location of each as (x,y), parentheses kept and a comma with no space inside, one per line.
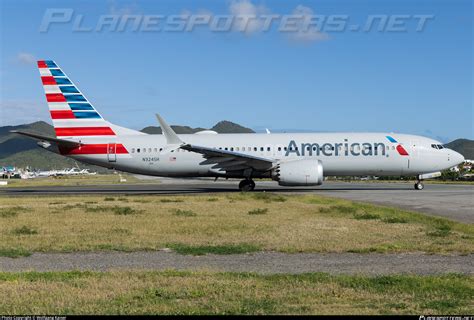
(457,157)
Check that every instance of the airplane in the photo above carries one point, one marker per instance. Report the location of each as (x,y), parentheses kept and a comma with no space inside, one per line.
(291,159)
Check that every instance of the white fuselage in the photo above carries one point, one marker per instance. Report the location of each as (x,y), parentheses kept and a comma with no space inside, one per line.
(342,154)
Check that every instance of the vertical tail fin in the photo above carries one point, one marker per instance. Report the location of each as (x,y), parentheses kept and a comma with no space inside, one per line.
(72,114)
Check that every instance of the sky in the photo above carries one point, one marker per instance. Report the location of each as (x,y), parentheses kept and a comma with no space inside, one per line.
(417,82)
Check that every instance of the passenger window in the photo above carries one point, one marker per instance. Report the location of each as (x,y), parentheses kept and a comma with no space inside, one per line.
(138,150)
(156,150)
(161,149)
(279,148)
(231,148)
(261,149)
(254,148)
(149,150)
(225,148)
(268,148)
(133,150)
(285,148)
(237,149)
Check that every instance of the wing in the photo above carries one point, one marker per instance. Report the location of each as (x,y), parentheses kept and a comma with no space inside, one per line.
(229,160)
(222,160)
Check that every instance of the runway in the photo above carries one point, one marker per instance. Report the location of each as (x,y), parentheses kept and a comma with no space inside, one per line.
(261,262)
(446,200)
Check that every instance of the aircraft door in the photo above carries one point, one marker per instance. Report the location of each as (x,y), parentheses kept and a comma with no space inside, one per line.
(112,152)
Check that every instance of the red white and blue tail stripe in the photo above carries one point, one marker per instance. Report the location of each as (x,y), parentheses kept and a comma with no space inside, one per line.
(72,114)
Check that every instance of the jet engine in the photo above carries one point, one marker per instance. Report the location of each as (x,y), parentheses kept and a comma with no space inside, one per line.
(299,173)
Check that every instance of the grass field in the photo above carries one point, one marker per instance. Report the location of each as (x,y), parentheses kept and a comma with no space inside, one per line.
(171,292)
(79,180)
(223,224)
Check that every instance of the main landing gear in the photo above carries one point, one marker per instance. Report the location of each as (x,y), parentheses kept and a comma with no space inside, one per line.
(246,185)
(419,185)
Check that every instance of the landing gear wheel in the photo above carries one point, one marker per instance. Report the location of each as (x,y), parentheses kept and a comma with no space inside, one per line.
(246,185)
(252,184)
(419,185)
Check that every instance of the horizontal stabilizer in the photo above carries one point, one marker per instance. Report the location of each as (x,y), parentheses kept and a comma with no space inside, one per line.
(59,142)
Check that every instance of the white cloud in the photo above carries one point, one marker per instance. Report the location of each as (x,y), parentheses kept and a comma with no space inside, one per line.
(123,10)
(246,16)
(306,30)
(25,58)
(250,18)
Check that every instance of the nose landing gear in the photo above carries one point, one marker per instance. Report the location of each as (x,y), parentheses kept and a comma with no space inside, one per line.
(246,185)
(419,185)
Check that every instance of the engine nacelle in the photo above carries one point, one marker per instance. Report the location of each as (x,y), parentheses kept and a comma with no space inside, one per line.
(299,173)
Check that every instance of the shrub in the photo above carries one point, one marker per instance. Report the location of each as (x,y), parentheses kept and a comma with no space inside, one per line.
(258,211)
(24,231)
(183,213)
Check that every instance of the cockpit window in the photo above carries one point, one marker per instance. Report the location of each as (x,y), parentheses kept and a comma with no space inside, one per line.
(437,146)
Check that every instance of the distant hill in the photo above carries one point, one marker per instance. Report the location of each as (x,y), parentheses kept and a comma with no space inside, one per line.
(230,127)
(220,127)
(463,146)
(19,151)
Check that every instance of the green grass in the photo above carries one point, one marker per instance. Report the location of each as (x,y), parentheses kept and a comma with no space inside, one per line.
(171,200)
(442,229)
(366,216)
(124,211)
(86,207)
(267,197)
(395,220)
(220,249)
(181,292)
(11,212)
(14,252)
(24,230)
(183,213)
(258,211)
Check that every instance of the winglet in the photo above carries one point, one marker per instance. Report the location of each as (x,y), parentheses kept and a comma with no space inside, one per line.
(170,135)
